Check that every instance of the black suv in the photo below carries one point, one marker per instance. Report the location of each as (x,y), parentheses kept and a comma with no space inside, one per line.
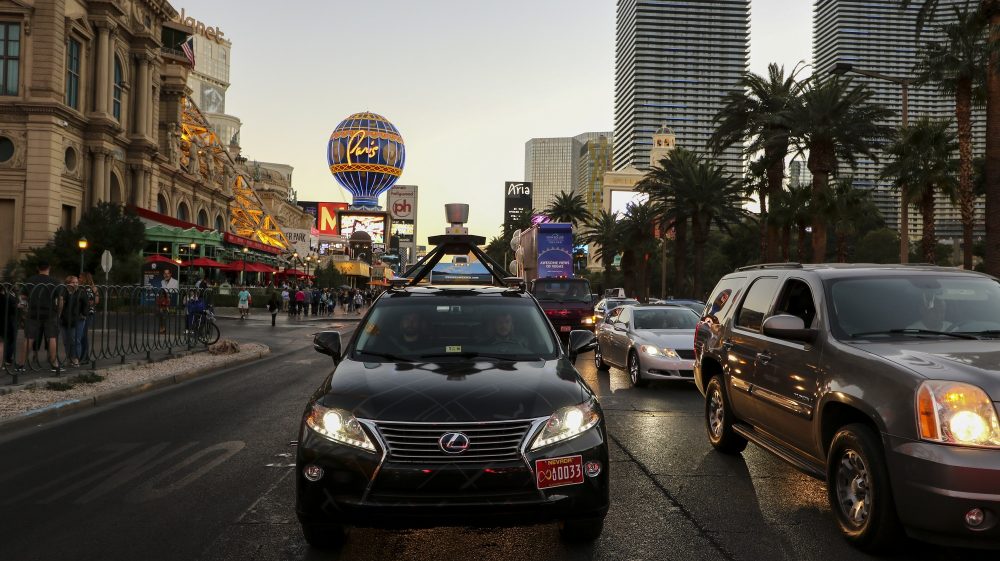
(881,380)
(452,406)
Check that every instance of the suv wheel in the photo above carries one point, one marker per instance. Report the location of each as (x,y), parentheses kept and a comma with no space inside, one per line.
(577,531)
(599,358)
(719,420)
(635,371)
(324,536)
(858,489)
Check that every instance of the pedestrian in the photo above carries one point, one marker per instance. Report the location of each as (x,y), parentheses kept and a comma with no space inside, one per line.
(9,312)
(284,299)
(300,301)
(273,305)
(162,309)
(72,318)
(44,302)
(359,300)
(244,303)
(93,300)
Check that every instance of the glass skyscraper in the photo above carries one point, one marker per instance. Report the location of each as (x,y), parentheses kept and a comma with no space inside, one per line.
(675,60)
(552,166)
(879,36)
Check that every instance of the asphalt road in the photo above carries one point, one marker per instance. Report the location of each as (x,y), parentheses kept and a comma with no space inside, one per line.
(203,471)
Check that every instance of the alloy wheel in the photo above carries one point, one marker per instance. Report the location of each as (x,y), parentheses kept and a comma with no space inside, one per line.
(853,488)
(633,369)
(598,357)
(716,414)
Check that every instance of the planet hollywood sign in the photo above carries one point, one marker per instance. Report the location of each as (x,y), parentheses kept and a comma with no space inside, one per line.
(213,33)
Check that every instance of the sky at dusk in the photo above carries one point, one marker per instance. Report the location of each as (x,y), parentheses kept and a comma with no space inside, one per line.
(467,83)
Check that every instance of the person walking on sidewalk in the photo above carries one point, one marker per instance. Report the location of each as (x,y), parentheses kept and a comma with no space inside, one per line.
(273,305)
(163,309)
(359,301)
(284,299)
(45,301)
(89,288)
(244,303)
(300,301)
(72,319)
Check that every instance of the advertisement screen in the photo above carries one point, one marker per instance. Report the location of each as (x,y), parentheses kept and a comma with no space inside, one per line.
(554,257)
(620,201)
(373,224)
(403,230)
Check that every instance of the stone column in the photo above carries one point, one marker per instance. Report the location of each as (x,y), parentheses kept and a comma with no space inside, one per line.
(143,93)
(97,177)
(108,164)
(101,91)
(148,191)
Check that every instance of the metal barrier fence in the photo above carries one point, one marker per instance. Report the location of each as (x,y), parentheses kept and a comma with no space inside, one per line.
(58,327)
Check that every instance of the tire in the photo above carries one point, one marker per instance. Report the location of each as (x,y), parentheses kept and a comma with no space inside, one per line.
(581,531)
(859,490)
(635,371)
(599,359)
(210,334)
(719,420)
(324,536)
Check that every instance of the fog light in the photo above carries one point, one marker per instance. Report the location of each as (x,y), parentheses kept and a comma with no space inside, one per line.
(313,473)
(975,517)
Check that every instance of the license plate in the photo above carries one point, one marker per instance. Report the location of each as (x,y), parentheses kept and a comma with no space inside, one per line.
(557,472)
(566,328)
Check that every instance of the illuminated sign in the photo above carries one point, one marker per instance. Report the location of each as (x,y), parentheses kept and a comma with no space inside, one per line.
(403,230)
(517,202)
(366,155)
(213,33)
(324,214)
(621,200)
(401,202)
(372,223)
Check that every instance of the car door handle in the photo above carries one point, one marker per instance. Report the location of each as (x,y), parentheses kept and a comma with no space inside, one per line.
(727,346)
(764,357)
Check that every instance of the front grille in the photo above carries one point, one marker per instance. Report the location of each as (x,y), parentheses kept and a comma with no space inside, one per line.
(687,354)
(488,442)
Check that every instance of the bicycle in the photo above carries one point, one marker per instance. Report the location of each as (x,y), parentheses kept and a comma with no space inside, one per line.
(204,329)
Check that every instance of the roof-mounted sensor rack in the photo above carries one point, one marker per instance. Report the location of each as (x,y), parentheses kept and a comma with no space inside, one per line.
(770,266)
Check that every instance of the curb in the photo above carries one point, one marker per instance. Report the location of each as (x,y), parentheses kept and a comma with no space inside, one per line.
(66,408)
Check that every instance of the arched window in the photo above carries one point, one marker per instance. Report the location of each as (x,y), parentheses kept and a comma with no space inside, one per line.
(220,225)
(116,189)
(203,218)
(183,213)
(116,106)
(161,204)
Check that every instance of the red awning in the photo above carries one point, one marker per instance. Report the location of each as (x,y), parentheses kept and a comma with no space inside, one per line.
(160,259)
(203,262)
(259,268)
(292,273)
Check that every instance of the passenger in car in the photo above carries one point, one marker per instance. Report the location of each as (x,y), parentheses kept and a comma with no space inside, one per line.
(932,316)
(411,334)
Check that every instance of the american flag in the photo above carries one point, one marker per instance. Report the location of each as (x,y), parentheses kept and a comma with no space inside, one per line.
(188,48)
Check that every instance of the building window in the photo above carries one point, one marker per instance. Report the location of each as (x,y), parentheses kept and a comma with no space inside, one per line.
(73,73)
(119,83)
(68,215)
(203,218)
(182,212)
(219,224)
(10,57)
(161,204)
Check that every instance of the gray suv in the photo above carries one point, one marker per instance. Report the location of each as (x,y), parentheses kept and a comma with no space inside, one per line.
(883,381)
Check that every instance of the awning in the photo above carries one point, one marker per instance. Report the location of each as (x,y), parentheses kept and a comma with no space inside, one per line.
(160,259)
(259,268)
(203,262)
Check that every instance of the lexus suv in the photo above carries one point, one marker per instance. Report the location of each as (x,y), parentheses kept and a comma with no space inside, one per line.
(883,381)
(452,406)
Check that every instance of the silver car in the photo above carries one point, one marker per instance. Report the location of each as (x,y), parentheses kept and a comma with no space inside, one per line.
(650,342)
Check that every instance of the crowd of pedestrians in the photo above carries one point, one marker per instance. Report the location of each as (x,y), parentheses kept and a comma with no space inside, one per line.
(300,301)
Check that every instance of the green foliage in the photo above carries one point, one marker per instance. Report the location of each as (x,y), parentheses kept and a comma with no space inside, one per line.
(328,276)
(567,207)
(878,246)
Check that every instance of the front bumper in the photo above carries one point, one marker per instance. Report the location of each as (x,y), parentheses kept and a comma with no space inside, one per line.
(664,368)
(935,485)
(367,489)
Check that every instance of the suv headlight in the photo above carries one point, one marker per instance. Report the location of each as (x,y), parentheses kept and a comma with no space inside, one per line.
(339,426)
(567,423)
(957,413)
(654,351)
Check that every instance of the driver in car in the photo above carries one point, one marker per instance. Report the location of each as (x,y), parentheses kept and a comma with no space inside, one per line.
(502,337)
(411,335)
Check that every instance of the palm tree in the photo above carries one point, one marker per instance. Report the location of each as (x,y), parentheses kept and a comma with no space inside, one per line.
(567,207)
(922,163)
(989,10)
(753,113)
(957,67)
(835,122)
(638,244)
(847,207)
(603,232)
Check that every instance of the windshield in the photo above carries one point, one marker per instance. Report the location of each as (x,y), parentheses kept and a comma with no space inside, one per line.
(879,306)
(665,318)
(562,290)
(433,328)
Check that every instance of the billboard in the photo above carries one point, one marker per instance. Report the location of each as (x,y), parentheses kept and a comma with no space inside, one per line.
(303,241)
(373,223)
(555,246)
(324,214)
(517,202)
(403,230)
(402,202)
(621,200)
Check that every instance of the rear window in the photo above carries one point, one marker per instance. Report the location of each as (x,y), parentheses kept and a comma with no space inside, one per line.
(562,290)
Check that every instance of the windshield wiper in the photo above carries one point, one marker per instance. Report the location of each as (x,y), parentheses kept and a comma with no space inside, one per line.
(915,332)
(985,333)
(467,355)
(388,356)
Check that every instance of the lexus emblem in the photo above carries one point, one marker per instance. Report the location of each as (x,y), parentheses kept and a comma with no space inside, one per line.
(453,442)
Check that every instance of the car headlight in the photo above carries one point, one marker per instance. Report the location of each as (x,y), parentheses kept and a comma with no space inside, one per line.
(589,320)
(654,351)
(567,423)
(339,426)
(957,413)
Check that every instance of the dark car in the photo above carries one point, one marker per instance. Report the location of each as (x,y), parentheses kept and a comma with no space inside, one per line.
(453,406)
(883,381)
(566,302)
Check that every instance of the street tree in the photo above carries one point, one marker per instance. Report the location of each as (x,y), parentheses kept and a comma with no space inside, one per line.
(849,209)
(638,245)
(604,233)
(567,207)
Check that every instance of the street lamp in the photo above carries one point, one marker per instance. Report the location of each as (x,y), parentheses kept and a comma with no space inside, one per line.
(82,244)
(308,261)
(192,247)
(244,271)
(842,68)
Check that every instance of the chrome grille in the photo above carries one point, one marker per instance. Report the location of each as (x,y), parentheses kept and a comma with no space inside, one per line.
(488,442)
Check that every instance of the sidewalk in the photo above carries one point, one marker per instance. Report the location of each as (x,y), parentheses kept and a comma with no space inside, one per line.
(262,315)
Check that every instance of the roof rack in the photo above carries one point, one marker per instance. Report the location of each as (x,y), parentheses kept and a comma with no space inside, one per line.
(771,266)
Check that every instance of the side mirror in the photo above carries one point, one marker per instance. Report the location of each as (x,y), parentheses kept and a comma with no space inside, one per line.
(581,341)
(328,343)
(785,326)
(619,327)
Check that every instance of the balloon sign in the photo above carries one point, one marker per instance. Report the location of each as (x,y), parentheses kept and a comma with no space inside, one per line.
(366,155)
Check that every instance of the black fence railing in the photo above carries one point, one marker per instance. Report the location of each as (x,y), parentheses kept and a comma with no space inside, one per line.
(59,327)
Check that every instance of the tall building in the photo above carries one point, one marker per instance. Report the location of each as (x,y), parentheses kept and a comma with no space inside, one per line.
(798,173)
(209,79)
(593,162)
(879,36)
(552,165)
(675,60)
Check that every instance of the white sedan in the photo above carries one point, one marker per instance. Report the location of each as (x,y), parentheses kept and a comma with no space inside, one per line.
(650,342)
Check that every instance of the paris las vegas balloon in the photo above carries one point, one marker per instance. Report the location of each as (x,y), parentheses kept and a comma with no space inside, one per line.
(366,156)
